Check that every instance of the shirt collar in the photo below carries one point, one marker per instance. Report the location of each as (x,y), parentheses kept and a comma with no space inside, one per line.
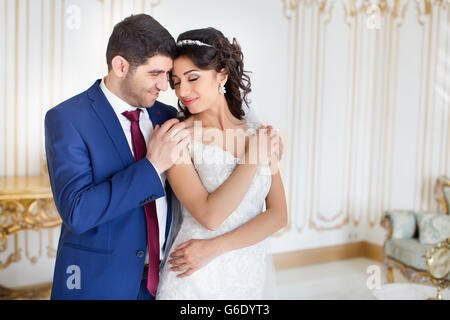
(117,103)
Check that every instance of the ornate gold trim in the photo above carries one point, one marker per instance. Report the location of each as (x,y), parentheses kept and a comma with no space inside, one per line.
(16,89)
(27,93)
(41,93)
(394,13)
(423,10)
(389,262)
(26,203)
(372,147)
(61,64)
(433,97)
(153,5)
(18,215)
(426,107)
(323,15)
(292,7)
(447,155)
(420,138)
(111,15)
(408,272)
(13,257)
(5,97)
(52,54)
(398,20)
(33,259)
(442,92)
(324,9)
(51,251)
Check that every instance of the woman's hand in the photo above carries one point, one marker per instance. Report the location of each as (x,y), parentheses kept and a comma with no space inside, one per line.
(264,147)
(192,255)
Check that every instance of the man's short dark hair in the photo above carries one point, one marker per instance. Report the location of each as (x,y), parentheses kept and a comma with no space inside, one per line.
(137,38)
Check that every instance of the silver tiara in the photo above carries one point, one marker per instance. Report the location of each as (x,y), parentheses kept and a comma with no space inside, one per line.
(192,42)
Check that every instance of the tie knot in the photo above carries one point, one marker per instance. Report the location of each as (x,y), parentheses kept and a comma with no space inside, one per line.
(133,116)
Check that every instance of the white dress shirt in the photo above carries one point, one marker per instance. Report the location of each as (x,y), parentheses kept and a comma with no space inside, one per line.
(146,126)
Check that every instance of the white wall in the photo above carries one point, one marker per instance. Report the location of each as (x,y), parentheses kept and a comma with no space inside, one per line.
(364,112)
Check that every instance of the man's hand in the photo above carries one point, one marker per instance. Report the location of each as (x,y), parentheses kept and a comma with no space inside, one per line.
(166,144)
(192,255)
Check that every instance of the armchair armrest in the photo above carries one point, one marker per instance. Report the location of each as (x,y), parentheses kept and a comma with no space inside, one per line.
(400,224)
(386,223)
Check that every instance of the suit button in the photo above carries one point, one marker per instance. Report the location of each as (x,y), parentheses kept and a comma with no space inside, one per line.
(140,254)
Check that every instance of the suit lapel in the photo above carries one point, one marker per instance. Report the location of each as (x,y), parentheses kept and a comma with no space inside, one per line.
(109,119)
(156,114)
(112,125)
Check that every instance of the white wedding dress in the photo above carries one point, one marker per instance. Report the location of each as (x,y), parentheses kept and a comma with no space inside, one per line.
(245,273)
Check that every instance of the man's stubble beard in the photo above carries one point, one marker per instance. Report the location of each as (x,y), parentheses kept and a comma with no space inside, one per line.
(127,91)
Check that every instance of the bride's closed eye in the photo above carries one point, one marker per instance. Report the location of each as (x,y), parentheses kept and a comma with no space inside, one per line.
(190,80)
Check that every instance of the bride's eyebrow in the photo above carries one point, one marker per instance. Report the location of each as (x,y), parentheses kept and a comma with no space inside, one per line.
(187,72)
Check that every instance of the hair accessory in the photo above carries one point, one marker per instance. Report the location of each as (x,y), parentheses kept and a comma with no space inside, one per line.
(193,42)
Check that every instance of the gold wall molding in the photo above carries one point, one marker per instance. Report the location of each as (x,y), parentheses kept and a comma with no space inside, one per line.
(384,62)
(5,93)
(16,88)
(26,89)
(23,22)
(41,89)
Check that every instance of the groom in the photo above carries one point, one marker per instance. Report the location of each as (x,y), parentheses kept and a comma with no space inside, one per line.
(107,150)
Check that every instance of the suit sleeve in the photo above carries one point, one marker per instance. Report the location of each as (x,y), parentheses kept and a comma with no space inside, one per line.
(82,204)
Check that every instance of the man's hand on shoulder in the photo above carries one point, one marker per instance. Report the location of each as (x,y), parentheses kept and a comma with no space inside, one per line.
(167,143)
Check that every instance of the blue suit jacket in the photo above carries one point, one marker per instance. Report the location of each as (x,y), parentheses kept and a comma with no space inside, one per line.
(99,192)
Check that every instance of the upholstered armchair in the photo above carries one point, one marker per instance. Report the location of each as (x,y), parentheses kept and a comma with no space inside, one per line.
(410,233)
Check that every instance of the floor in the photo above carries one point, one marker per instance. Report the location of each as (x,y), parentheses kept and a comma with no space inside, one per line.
(337,280)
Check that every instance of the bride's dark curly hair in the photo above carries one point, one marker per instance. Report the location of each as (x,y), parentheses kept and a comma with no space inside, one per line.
(222,55)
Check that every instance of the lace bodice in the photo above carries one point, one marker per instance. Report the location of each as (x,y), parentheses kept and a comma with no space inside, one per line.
(238,274)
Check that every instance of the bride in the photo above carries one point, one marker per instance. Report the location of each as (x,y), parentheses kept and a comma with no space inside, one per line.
(221,250)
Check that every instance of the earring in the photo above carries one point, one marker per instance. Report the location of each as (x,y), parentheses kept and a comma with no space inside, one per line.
(222,89)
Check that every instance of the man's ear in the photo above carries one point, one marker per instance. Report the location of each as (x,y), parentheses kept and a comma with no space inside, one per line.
(222,76)
(120,66)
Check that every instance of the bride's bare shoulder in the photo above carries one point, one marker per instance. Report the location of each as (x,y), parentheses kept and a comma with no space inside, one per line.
(189,121)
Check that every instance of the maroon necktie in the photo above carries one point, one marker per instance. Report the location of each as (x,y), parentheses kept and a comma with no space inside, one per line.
(140,151)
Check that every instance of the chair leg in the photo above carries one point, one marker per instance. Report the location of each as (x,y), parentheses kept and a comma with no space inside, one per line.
(390,275)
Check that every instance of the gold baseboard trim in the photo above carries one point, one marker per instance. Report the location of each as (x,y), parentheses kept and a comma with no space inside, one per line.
(283,260)
(33,292)
(305,257)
